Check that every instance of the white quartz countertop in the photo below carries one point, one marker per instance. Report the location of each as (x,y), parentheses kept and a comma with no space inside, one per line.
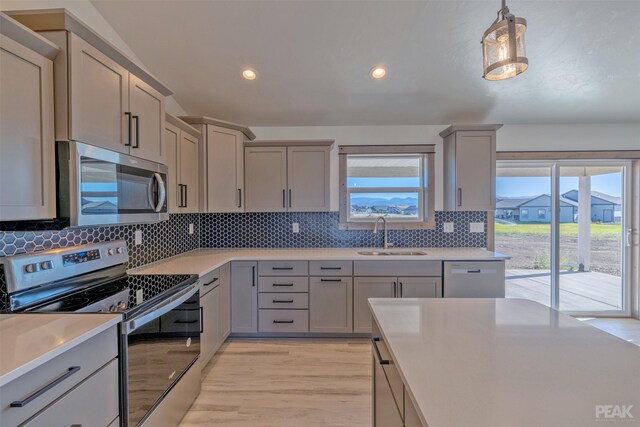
(29,340)
(202,261)
(506,362)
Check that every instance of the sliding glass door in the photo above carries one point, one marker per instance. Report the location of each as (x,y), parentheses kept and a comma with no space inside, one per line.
(565,225)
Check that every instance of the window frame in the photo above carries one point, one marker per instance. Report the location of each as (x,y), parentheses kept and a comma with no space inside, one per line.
(426,210)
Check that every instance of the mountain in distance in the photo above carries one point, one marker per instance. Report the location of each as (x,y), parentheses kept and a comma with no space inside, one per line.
(378,201)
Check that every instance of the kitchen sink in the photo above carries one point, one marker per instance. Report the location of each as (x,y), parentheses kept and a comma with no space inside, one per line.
(405,253)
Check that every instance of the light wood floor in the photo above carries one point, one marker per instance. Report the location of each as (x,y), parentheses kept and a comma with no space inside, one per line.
(286,382)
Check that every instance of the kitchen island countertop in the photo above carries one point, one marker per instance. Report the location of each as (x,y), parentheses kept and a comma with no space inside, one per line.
(507,362)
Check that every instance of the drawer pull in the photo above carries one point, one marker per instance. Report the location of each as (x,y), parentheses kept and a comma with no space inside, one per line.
(282,284)
(180,322)
(382,361)
(283,321)
(282,268)
(283,301)
(21,403)
(474,271)
(330,268)
(331,280)
(211,282)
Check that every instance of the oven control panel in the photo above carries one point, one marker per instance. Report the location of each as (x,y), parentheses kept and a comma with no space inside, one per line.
(80,257)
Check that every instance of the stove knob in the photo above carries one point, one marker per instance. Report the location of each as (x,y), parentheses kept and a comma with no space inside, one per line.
(46,265)
(120,250)
(32,268)
(111,251)
(112,308)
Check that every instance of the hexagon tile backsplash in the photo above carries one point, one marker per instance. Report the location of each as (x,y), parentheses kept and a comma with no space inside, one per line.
(240,230)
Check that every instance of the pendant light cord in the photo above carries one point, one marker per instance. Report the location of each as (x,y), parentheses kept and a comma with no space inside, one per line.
(504,11)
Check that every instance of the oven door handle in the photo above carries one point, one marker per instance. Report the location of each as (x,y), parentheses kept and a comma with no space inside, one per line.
(159,310)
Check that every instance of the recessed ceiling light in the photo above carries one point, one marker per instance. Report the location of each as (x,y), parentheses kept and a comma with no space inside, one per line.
(249,74)
(378,72)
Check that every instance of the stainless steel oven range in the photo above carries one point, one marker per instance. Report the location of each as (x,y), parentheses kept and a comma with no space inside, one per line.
(160,336)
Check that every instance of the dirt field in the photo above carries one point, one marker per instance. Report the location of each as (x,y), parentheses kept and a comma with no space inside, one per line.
(529,248)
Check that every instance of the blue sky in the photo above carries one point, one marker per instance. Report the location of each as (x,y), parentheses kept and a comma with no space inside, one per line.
(512,187)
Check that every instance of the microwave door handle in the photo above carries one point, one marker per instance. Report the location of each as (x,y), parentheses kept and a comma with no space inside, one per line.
(162,192)
(159,310)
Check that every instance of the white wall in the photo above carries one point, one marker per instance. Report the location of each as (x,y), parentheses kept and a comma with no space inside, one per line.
(87,13)
(509,138)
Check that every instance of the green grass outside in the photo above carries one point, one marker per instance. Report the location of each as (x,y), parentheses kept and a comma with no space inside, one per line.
(598,231)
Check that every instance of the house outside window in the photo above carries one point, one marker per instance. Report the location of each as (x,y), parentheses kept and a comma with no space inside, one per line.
(395,182)
(542,213)
(524,213)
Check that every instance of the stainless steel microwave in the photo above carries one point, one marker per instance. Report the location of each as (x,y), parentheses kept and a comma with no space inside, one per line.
(98,187)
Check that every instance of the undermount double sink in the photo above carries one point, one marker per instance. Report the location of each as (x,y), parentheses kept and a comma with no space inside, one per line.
(383,252)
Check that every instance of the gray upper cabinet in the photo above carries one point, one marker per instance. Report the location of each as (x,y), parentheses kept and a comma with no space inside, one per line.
(282,178)
(225,170)
(266,179)
(98,98)
(181,142)
(102,98)
(27,163)
(470,167)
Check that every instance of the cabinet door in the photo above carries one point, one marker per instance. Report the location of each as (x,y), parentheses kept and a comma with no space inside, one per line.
(27,145)
(308,179)
(209,335)
(225,302)
(330,304)
(265,179)
(99,98)
(475,171)
(244,297)
(225,170)
(419,287)
(385,411)
(147,108)
(189,171)
(172,144)
(363,289)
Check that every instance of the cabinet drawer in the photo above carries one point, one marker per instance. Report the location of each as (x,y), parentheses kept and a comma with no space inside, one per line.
(209,281)
(92,403)
(283,300)
(397,268)
(283,268)
(283,321)
(330,268)
(283,284)
(69,368)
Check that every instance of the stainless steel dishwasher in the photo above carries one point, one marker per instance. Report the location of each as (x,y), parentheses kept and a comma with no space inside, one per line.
(473,279)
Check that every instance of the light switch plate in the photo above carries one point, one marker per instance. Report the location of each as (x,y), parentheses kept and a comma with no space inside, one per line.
(138,237)
(139,297)
(296,227)
(448,227)
(476,227)
(190,228)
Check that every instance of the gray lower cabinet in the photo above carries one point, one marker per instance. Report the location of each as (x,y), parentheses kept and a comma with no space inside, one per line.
(291,321)
(331,304)
(225,302)
(86,383)
(363,289)
(210,336)
(419,287)
(94,402)
(244,297)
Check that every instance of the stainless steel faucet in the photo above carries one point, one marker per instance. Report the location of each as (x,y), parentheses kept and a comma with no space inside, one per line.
(386,244)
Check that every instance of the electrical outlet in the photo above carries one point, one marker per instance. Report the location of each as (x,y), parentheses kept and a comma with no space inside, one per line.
(448,227)
(296,227)
(138,237)
(476,227)
(139,297)
(191,231)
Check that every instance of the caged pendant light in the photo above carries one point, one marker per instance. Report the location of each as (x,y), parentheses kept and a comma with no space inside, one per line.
(503,46)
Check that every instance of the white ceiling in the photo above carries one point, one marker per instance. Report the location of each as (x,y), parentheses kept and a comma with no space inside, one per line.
(313,58)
